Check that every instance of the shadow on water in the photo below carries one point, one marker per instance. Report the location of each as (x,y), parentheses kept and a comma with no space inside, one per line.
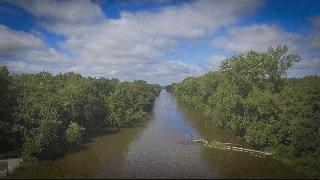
(156,148)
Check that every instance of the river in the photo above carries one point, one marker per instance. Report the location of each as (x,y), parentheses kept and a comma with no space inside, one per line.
(156,148)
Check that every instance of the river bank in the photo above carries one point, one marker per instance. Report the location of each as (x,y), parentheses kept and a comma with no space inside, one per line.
(156,148)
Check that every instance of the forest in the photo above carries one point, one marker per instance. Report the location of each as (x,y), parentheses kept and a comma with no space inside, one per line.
(252,96)
(43,114)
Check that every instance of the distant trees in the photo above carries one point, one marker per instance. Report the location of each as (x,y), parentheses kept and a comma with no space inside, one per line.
(130,102)
(250,96)
(43,113)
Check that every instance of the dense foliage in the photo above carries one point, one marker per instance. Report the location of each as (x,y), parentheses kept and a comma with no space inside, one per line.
(74,133)
(41,113)
(250,95)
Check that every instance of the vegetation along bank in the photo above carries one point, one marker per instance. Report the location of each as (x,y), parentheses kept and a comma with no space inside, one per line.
(251,95)
(42,114)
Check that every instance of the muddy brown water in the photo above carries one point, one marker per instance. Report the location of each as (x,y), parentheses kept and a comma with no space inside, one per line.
(156,148)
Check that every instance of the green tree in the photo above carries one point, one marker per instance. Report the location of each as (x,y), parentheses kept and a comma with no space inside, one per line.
(74,133)
(47,141)
(9,133)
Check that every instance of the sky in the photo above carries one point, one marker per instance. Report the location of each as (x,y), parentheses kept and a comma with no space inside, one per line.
(161,41)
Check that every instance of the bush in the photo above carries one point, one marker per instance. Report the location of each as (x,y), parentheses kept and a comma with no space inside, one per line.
(74,133)
(47,141)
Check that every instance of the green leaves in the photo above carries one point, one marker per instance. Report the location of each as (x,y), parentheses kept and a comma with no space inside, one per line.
(42,113)
(251,96)
(258,134)
(47,141)
(263,70)
(9,137)
(74,133)
(130,102)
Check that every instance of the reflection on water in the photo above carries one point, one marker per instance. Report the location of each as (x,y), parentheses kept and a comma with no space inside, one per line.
(156,149)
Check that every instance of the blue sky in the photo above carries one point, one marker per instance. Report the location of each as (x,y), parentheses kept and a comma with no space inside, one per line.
(159,41)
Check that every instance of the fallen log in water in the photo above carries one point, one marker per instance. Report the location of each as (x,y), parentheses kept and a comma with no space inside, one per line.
(227,146)
(201,141)
(250,150)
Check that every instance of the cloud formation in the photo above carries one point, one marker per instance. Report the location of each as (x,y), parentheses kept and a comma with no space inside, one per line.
(13,42)
(256,37)
(214,62)
(28,51)
(134,46)
(71,11)
(260,37)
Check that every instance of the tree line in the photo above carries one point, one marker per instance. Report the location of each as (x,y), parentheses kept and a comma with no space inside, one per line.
(251,95)
(41,114)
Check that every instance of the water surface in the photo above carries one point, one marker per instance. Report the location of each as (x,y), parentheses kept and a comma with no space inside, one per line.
(156,148)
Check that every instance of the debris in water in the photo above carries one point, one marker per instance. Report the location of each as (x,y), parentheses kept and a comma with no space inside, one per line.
(227,146)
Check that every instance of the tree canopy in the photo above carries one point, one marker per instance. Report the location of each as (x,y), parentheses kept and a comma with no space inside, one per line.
(251,95)
(42,113)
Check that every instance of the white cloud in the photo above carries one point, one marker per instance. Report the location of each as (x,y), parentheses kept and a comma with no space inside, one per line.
(163,72)
(22,66)
(71,11)
(15,42)
(144,37)
(261,37)
(28,47)
(132,46)
(306,67)
(257,37)
(214,62)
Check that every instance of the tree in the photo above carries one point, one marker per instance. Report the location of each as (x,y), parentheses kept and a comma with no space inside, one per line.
(74,133)
(9,134)
(47,141)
